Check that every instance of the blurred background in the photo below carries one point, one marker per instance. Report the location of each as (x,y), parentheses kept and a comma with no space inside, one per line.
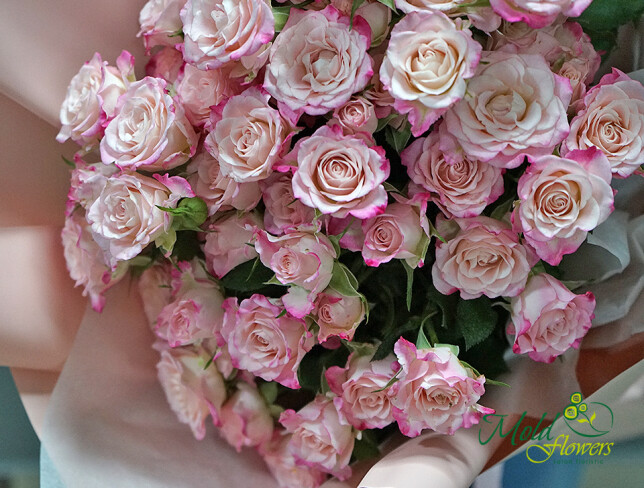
(19,445)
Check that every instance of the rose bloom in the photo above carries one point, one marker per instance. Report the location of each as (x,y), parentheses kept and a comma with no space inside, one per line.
(150,130)
(401,232)
(357,115)
(87,182)
(195,312)
(155,290)
(612,120)
(227,242)
(159,20)
(125,217)
(219,192)
(548,319)
(376,93)
(283,465)
(166,63)
(192,391)
(248,137)
(461,189)
(301,259)
(217,32)
(338,315)
(515,107)
(90,99)
(435,391)
(249,66)
(283,211)
(361,394)
(428,59)
(538,13)
(263,342)
(317,62)
(200,90)
(84,260)
(340,175)
(484,258)
(483,18)
(562,199)
(321,437)
(245,419)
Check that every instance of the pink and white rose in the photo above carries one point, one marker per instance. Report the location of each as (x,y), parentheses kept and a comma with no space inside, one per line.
(562,199)
(245,419)
(321,437)
(125,217)
(87,182)
(160,23)
(483,258)
(192,391)
(301,259)
(338,315)
(219,192)
(217,32)
(150,130)
(538,13)
(91,97)
(401,232)
(435,391)
(85,261)
(548,319)
(195,312)
(317,62)
(515,107)
(248,136)
(361,394)
(155,291)
(460,189)
(357,115)
(283,466)
(263,341)
(340,175)
(200,90)
(229,242)
(612,120)
(283,212)
(428,59)
(167,63)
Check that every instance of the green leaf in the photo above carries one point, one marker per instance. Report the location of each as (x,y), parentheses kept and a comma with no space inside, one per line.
(382,123)
(280,14)
(315,362)
(343,281)
(398,139)
(410,282)
(389,3)
(502,209)
(422,342)
(488,381)
(366,447)
(387,345)
(335,241)
(476,320)
(247,277)
(360,348)
(69,163)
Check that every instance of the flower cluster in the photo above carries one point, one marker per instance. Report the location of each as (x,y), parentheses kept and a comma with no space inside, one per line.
(282,174)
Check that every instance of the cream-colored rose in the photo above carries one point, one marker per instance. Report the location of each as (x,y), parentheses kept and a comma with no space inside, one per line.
(220,192)
(612,120)
(428,59)
(516,107)
(461,189)
(483,258)
(160,23)
(193,392)
(217,32)
(150,130)
(248,138)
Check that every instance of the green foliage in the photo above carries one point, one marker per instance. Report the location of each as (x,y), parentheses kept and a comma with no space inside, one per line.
(398,139)
(476,320)
(247,277)
(311,371)
(366,447)
(602,19)
(189,214)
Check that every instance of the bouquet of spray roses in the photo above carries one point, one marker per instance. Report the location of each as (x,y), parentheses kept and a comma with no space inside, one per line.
(339,212)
